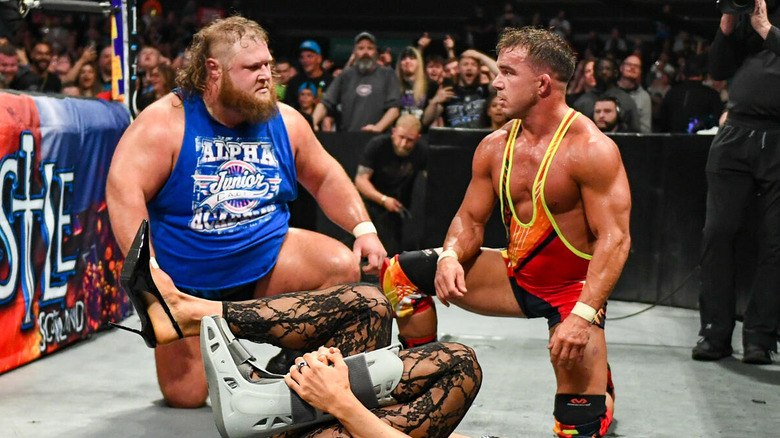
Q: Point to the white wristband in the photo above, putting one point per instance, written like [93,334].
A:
[384,198]
[447,253]
[363,228]
[584,311]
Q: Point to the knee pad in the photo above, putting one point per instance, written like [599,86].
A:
[581,416]
[407,281]
[250,407]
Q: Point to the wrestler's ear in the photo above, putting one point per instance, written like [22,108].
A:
[213,67]
[545,84]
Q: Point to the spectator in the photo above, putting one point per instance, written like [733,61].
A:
[434,68]
[508,18]
[385,177]
[87,81]
[306,102]
[88,55]
[606,115]
[495,113]
[37,77]
[416,89]
[162,77]
[70,89]
[283,71]
[606,85]
[631,82]
[582,82]
[104,64]
[451,68]
[690,106]
[561,26]
[463,103]
[616,46]
[386,57]
[9,63]
[312,77]
[367,92]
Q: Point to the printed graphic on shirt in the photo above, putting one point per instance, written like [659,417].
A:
[467,112]
[363,90]
[231,182]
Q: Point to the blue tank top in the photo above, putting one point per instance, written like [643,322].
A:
[222,215]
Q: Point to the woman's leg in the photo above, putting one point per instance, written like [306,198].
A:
[439,384]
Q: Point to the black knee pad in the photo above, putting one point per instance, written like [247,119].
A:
[420,269]
[580,415]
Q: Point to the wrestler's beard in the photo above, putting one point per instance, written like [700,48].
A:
[366,64]
[251,108]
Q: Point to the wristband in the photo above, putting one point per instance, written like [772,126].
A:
[384,198]
[447,253]
[363,228]
[584,311]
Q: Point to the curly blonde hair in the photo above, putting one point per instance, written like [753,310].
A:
[215,41]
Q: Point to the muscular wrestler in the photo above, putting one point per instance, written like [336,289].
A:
[565,201]
[213,166]
[437,385]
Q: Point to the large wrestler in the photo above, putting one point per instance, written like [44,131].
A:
[565,200]
[212,166]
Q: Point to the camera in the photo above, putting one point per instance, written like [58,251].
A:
[736,6]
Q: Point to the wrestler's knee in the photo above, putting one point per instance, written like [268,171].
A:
[342,266]
[181,375]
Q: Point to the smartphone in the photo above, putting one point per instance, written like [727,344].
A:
[447,82]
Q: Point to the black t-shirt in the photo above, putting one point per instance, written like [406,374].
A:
[393,175]
[29,81]
[317,85]
[467,108]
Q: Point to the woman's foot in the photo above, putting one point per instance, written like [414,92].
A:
[177,302]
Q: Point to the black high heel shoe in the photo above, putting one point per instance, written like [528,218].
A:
[136,279]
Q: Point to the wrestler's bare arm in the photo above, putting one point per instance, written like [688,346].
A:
[142,163]
[606,199]
[322,175]
[467,229]
[598,171]
[330,185]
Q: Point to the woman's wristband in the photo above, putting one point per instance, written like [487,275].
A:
[447,253]
[382,201]
[584,311]
[363,228]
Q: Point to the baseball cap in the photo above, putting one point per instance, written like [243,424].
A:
[310,45]
[365,36]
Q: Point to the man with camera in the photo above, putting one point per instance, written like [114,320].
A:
[743,165]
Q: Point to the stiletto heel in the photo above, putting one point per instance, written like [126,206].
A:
[136,278]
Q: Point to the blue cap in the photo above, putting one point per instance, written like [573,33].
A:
[310,45]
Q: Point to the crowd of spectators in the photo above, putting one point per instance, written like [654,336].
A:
[443,81]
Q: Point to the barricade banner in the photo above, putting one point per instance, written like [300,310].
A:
[59,263]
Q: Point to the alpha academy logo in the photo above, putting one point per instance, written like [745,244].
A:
[231,181]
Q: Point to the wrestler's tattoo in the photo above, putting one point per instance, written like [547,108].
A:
[352,317]
[439,384]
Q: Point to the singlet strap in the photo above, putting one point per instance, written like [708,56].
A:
[507,209]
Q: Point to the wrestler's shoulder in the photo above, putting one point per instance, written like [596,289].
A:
[164,111]
[496,140]
[585,134]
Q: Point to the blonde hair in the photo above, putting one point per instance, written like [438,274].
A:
[420,85]
[215,41]
[408,121]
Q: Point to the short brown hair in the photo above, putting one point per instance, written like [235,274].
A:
[214,41]
[546,49]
